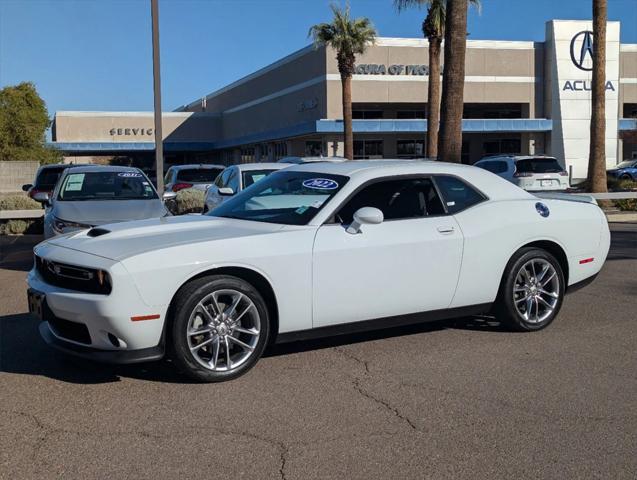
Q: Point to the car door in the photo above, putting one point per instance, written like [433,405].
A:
[409,263]
[213,198]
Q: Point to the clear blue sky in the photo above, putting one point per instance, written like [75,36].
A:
[96,54]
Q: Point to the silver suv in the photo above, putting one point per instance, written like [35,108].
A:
[533,172]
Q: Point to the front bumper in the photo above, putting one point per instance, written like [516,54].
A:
[103,317]
[105,356]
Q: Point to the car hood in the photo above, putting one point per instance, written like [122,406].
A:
[124,240]
[108,211]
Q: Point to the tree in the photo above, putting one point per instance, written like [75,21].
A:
[23,123]
[597,152]
[450,136]
[348,37]
[433,28]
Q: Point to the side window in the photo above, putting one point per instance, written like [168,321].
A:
[457,195]
[233,180]
[222,179]
[168,176]
[397,199]
[499,167]
[485,166]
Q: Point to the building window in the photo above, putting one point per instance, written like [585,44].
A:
[410,148]
[247,155]
[280,150]
[407,114]
[368,149]
[508,145]
[314,148]
[367,114]
[492,110]
[465,152]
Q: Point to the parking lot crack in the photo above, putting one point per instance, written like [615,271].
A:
[364,392]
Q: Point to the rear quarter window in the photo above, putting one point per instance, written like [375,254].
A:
[457,195]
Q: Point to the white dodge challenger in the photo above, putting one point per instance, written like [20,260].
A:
[311,250]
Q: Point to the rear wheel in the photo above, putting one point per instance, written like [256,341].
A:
[532,290]
[220,328]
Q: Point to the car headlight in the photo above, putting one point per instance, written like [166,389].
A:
[63,226]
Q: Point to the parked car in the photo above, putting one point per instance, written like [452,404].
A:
[87,196]
[300,160]
[200,177]
[235,179]
[314,249]
[532,173]
[626,170]
[45,179]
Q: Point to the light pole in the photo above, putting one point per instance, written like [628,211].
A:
[159,143]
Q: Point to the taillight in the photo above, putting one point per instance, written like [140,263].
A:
[181,186]
[522,174]
[563,174]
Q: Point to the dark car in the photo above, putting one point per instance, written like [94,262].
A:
[45,179]
[626,170]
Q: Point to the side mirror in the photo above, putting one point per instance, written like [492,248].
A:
[42,197]
[26,187]
[226,191]
[169,196]
[365,216]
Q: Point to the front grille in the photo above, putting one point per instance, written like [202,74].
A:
[73,277]
[78,332]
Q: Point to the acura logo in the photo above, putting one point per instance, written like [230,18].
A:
[581,48]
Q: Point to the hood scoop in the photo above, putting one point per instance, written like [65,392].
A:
[97,232]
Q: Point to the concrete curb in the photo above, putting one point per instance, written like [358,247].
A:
[20,214]
[627,217]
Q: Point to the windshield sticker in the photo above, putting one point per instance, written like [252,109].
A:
[301,210]
[451,204]
[75,182]
[320,184]
[317,204]
[129,175]
[256,178]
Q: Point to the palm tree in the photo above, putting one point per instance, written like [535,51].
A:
[349,37]
[450,136]
[597,154]
[433,28]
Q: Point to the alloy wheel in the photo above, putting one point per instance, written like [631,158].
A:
[536,290]
[223,330]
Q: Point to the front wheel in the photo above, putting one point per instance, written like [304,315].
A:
[220,328]
[532,290]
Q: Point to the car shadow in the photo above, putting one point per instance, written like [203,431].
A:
[16,251]
[23,352]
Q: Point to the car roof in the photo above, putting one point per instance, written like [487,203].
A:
[493,186]
[100,168]
[244,167]
[515,158]
[300,160]
[197,165]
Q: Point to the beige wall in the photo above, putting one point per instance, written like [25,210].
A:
[134,127]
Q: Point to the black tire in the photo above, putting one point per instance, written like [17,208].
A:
[186,300]
[505,307]
[626,176]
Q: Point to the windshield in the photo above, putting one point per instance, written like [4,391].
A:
[626,164]
[48,177]
[106,186]
[538,165]
[253,176]
[290,198]
[198,175]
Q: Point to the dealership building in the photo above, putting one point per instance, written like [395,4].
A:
[520,98]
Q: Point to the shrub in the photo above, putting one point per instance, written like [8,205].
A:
[18,202]
[19,227]
[627,204]
[189,201]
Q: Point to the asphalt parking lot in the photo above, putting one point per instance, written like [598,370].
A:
[456,399]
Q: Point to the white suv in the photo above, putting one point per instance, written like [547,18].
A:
[532,173]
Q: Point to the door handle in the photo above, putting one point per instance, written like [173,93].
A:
[446,230]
